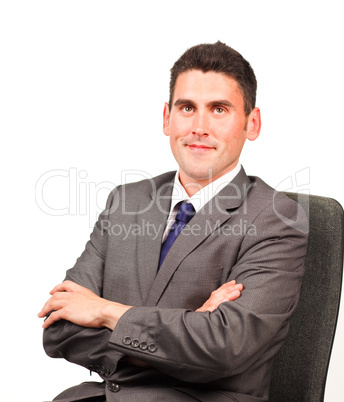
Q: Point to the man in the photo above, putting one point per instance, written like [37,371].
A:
[179,309]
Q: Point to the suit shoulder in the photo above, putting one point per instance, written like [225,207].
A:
[142,192]
[147,185]
[266,194]
[279,204]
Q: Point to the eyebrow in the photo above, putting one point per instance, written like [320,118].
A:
[220,102]
[180,102]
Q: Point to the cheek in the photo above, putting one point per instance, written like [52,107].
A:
[180,127]
[235,143]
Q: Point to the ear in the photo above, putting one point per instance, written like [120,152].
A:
[253,125]
[166,126]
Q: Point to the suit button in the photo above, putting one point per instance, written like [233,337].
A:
[135,343]
[113,387]
[127,340]
[96,368]
[101,370]
[107,373]
[152,347]
[143,345]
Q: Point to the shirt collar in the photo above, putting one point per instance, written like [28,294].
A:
[199,199]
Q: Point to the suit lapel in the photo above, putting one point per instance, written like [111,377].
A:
[153,222]
[214,214]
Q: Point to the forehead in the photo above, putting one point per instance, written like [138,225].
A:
[198,85]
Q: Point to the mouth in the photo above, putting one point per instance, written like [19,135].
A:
[200,147]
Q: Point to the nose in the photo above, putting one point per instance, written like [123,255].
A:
[200,124]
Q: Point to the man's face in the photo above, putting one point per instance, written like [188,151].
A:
[207,125]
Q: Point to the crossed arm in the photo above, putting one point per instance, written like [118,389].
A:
[79,305]
[269,264]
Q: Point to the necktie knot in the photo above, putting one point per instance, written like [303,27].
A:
[185,212]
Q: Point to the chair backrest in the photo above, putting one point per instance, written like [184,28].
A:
[300,367]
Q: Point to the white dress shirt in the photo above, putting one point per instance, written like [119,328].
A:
[200,198]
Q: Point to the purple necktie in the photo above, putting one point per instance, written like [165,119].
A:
[185,212]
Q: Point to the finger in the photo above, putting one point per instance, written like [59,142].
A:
[41,314]
[229,291]
[221,295]
[233,296]
[209,305]
[230,294]
[234,288]
[57,301]
[45,310]
[66,286]
[229,288]
[58,288]
[225,285]
[53,317]
[229,285]
[201,309]
[225,290]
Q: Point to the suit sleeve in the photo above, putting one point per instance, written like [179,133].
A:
[204,347]
[87,347]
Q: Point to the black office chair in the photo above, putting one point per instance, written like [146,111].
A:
[300,367]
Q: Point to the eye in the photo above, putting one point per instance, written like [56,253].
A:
[187,109]
[219,110]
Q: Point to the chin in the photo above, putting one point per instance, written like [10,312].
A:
[199,176]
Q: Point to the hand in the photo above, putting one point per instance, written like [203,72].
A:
[229,291]
[74,303]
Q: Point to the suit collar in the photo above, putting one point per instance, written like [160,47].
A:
[231,196]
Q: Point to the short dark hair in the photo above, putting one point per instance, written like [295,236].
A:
[220,58]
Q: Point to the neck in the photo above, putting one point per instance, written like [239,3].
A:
[193,185]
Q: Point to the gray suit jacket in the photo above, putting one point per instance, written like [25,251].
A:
[249,233]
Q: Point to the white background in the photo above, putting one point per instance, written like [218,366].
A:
[82,87]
